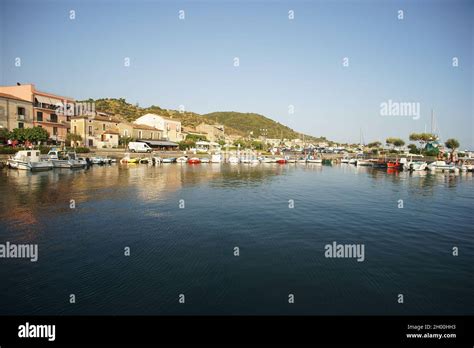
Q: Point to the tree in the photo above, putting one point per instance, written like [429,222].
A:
[73,138]
[375,144]
[4,135]
[422,138]
[398,142]
[452,144]
[33,135]
[413,149]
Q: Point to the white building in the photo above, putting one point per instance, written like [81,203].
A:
[171,128]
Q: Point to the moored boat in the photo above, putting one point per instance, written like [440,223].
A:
[29,160]
[182,159]
[233,160]
[441,165]
[194,160]
[169,160]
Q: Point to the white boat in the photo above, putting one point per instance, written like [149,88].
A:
[441,165]
[234,160]
[352,161]
[217,158]
[169,160]
[345,160]
[61,159]
[364,163]
[314,160]
[415,166]
[182,159]
[268,160]
[255,161]
[156,160]
[205,160]
[29,160]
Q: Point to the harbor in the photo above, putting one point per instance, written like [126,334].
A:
[182,223]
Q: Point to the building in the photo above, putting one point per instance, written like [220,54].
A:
[171,129]
[139,131]
[50,111]
[97,130]
[15,112]
[215,132]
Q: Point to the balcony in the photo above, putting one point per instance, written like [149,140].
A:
[45,106]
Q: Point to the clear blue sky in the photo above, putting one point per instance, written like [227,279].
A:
[282,62]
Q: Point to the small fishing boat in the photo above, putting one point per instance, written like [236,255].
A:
[352,161]
[182,159]
[234,160]
[441,165]
[145,160]
[394,164]
[156,160]
[61,159]
[364,163]
[268,160]
[169,160]
[29,160]
[205,160]
[281,161]
[194,160]
[314,160]
[345,160]
[128,160]
[217,158]
[255,161]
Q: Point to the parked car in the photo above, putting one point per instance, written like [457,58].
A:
[136,146]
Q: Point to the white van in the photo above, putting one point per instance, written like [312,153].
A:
[135,146]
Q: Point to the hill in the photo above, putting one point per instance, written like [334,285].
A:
[236,123]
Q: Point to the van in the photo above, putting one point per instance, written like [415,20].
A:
[139,147]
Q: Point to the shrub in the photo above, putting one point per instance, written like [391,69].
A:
[82,150]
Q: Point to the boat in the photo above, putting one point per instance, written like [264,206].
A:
[182,159]
[205,160]
[281,161]
[441,165]
[97,160]
[169,160]
[61,159]
[315,160]
[345,160]
[364,163]
[217,158]
[380,164]
[268,160]
[255,161]
[194,160]
[352,161]
[29,160]
[233,160]
[128,160]
[395,164]
[156,160]
[145,160]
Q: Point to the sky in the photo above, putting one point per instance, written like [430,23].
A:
[284,64]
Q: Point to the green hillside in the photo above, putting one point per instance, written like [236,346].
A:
[236,123]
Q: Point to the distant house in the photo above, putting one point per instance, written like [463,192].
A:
[98,129]
[170,128]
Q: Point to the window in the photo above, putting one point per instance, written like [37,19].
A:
[53,118]
[75,130]
[151,135]
[139,134]
[21,111]
[39,116]
[103,126]
[91,142]
[125,133]
[55,130]
[90,130]
[21,125]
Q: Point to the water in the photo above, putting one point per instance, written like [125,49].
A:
[190,251]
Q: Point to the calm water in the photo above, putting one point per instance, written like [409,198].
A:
[190,251]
